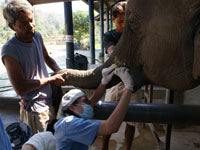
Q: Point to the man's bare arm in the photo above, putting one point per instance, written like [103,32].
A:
[18,81]
[110,49]
[49,60]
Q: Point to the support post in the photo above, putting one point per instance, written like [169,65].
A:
[107,19]
[111,22]
[101,3]
[92,36]
[169,126]
[69,35]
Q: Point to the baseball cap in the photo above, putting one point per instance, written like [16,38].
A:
[68,99]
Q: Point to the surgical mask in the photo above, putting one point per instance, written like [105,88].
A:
[88,112]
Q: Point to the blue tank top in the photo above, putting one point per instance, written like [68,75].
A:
[30,56]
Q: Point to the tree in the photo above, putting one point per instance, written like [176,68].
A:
[5,31]
[81,27]
[49,24]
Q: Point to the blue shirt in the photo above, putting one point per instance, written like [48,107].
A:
[73,133]
[4,139]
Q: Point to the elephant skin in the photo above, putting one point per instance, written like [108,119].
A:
[160,45]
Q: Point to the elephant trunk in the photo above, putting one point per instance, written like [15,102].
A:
[89,79]
[83,79]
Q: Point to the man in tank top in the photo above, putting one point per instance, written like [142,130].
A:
[24,57]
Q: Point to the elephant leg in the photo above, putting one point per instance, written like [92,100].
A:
[196,62]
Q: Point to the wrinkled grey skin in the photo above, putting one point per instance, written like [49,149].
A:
[160,44]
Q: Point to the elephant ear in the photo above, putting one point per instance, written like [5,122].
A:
[196,61]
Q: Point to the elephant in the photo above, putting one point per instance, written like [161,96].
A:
[160,45]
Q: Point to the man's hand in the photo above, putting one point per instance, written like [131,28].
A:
[110,49]
[57,80]
[107,74]
[124,75]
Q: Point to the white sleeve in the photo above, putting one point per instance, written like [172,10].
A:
[43,141]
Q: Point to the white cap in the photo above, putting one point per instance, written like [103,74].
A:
[68,99]
[42,141]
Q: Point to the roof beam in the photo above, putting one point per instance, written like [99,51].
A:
[36,2]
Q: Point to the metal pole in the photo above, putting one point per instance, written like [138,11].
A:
[153,113]
[69,35]
[91,21]
[169,126]
[107,19]
[111,22]
[101,3]
[158,113]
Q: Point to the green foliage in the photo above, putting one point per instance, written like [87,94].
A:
[5,32]
[52,24]
[81,28]
[49,24]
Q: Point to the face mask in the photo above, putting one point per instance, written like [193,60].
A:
[87,112]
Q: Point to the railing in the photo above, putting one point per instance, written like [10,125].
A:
[148,112]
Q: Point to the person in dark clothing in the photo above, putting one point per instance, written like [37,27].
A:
[110,40]
[112,37]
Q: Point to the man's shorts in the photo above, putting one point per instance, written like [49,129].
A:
[37,122]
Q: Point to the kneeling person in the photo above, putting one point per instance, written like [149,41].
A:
[75,129]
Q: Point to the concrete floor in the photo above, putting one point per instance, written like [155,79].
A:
[183,138]
[187,138]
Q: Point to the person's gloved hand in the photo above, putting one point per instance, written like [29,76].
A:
[107,74]
[124,75]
